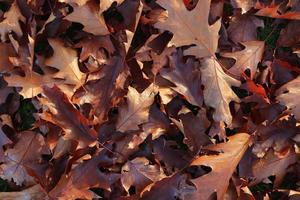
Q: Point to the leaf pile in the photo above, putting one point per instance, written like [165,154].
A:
[150,99]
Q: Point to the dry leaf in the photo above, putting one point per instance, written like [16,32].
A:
[248,58]
[288,94]
[88,15]
[186,77]
[222,165]
[140,173]
[217,91]
[195,25]
[67,117]
[136,111]
[66,61]
[27,150]
[11,21]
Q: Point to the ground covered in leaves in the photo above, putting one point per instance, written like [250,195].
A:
[150,99]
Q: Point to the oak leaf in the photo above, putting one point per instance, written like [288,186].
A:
[272,10]
[243,28]
[194,127]
[217,91]
[186,76]
[222,165]
[27,150]
[140,173]
[90,17]
[63,113]
[11,21]
[66,61]
[195,25]
[288,94]
[104,88]
[248,58]
[272,164]
[77,183]
[173,187]
[136,111]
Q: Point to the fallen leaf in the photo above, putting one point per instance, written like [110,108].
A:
[11,21]
[136,111]
[140,173]
[248,58]
[287,94]
[76,184]
[104,87]
[66,61]
[217,91]
[63,113]
[222,165]
[244,28]
[27,150]
[186,77]
[174,187]
[34,193]
[195,23]
[271,165]
[90,17]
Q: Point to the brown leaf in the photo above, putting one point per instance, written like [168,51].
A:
[11,21]
[34,193]
[66,61]
[136,111]
[7,51]
[247,58]
[217,91]
[272,164]
[194,127]
[174,187]
[290,35]
[243,28]
[104,88]
[27,150]
[88,15]
[91,45]
[140,173]
[288,94]
[222,165]
[273,11]
[186,77]
[77,183]
[67,117]
[3,141]
[195,23]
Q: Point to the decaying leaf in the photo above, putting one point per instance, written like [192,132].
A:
[88,15]
[137,109]
[186,77]
[287,95]
[247,58]
[66,61]
[217,91]
[11,21]
[222,165]
[149,99]
[67,117]
[195,23]
[140,173]
[29,149]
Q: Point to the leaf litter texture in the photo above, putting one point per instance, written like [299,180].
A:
[137,99]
